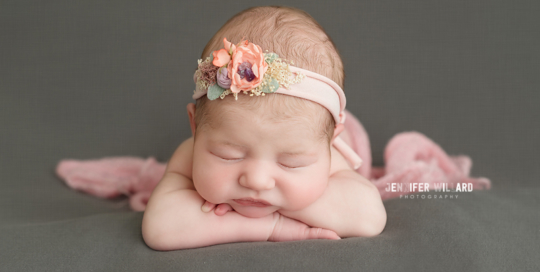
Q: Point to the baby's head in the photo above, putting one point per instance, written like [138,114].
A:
[274,147]
[294,35]
[289,32]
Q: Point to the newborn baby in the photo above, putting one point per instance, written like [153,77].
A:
[265,162]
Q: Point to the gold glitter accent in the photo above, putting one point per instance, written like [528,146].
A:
[225,93]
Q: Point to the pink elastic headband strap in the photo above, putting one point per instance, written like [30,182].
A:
[319,89]
[324,91]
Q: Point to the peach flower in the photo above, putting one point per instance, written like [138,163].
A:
[229,46]
[221,57]
[246,52]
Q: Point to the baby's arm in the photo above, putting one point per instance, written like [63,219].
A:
[173,218]
[351,206]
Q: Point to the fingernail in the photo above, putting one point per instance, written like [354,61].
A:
[206,207]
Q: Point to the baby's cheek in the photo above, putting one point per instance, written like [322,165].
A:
[304,193]
[211,183]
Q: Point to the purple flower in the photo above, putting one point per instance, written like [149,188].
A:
[223,79]
[244,65]
[244,70]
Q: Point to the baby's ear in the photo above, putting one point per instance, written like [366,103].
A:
[337,130]
[191,114]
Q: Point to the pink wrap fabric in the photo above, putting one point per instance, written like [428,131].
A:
[410,157]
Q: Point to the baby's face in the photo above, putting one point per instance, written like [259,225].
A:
[248,156]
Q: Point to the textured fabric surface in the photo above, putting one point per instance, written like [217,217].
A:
[482,231]
[86,80]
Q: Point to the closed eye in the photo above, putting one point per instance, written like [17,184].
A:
[226,159]
[291,167]
[233,159]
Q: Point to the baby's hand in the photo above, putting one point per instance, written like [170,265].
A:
[287,229]
[221,209]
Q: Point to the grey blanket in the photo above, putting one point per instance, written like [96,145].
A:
[86,80]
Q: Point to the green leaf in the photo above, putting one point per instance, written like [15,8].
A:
[270,57]
[214,91]
[271,87]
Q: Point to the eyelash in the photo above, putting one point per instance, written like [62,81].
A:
[229,159]
[226,159]
[290,167]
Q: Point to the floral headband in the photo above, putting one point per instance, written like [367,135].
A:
[245,68]
[242,68]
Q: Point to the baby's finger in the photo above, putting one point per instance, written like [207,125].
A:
[320,233]
[222,209]
[207,206]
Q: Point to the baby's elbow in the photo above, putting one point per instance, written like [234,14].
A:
[161,240]
[151,237]
[153,242]
[377,226]
[377,221]
[157,234]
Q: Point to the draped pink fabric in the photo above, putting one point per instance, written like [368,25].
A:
[410,157]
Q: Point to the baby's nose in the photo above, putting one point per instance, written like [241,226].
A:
[257,176]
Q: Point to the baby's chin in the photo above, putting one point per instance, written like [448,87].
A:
[254,212]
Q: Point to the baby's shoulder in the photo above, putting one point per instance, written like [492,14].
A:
[338,162]
[181,161]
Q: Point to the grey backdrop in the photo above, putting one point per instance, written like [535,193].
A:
[86,80]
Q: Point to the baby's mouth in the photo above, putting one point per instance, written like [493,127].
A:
[252,202]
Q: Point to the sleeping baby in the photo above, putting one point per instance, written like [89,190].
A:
[265,161]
